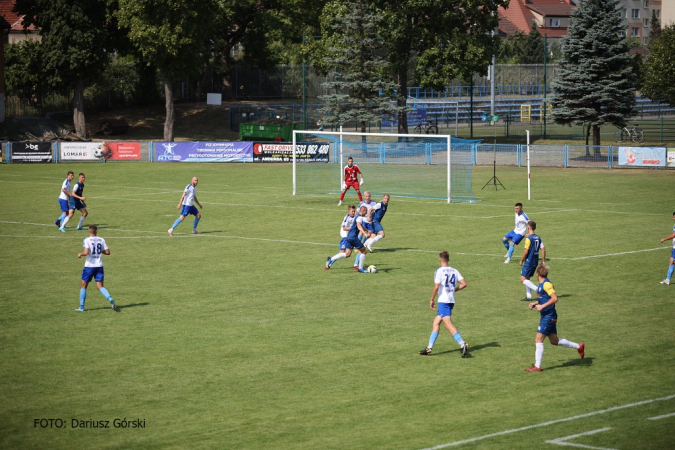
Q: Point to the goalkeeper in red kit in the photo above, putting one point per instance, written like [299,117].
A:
[351,179]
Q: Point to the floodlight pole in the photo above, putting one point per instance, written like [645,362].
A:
[449,180]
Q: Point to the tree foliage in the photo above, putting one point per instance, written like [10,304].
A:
[659,76]
[532,49]
[596,84]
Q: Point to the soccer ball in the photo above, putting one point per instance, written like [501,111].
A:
[372,269]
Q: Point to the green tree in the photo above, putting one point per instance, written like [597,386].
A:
[175,37]
[73,53]
[532,49]
[24,73]
[659,77]
[360,73]
[654,26]
[595,84]
[439,39]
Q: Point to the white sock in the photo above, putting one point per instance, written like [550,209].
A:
[338,256]
[530,284]
[368,242]
[376,238]
[65,221]
[538,353]
[362,260]
[79,224]
[568,344]
[528,293]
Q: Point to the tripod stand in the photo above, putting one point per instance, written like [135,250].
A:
[494,180]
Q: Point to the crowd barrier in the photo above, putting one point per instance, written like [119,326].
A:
[602,156]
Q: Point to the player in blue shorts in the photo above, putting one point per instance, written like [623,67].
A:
[64,196]
[545,304]
[516,235]
[377,213]
[76,202]
[368,203]
[352,241]
[447,281]
[345,248]
[94,248]
[186,203]
[530,259]
[671,261]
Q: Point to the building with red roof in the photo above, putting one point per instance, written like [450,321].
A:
[16,31]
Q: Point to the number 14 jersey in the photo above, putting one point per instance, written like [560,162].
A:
[447,278]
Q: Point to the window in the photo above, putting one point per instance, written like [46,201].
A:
[554,23]
[658,13]
[646,3]
[635,32]
[635,13]
[645,23]
[622,12]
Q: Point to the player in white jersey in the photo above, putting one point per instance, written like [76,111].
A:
[64,196]
[671,261]
[76,202]
[514,237]
[94,248]
[186,202]
[368,203]
[447,281]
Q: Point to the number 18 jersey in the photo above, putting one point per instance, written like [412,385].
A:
[96,246]
[447,278]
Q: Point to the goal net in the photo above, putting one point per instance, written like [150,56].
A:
[401,165]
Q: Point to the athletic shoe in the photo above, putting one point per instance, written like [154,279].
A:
[363,270]
[533,369]
[62,230]
[507,260]
[79,228]
[525,299]
[666,282]
[465,349]
[506,256]
[368,246]
[329,262]
[426,351]
[57,222]
[581,349]
[79,309]
[340,203]
[194,231]
[355,268]
[170,231]
[114,307]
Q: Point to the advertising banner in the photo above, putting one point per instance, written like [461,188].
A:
[670,157]
[415,117]
[642,156]
[283,152]
[204,151]
[32,152]
[93,151]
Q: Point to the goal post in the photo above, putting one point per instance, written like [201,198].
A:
[402,165]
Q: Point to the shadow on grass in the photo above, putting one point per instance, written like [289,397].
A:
[472,348]
[390,249]
[119,307]
[586,362]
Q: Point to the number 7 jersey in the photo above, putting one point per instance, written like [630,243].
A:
[447,278]
[96,246]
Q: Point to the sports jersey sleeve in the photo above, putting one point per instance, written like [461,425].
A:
[527,244]
[105,245]
[548,287]
[437,277]
[459,276]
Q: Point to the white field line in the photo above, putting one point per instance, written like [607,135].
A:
[160,234]
[665,416]
[552,422]
[562,440]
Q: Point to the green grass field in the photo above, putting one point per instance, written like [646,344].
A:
[237,338]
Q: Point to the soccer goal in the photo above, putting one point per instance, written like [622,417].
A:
[401,165]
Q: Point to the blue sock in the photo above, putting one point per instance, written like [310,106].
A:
[196,222]
[61,217]
[83,297]
[356,260]
[671,268]
[510,250]
[432,339]
[106,294]
[458,338]
[177,222]
[506,243]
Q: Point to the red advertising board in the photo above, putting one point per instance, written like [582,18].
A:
[125,150]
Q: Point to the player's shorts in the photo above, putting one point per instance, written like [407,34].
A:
[367,226]
[75,203]
[92,272]
[445,309]
[354,184]
[528,271]
[354,243]
[514,237]
[377,227]
[187,210]
[547,325]
[64,205]
[344,244]
[672,254]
